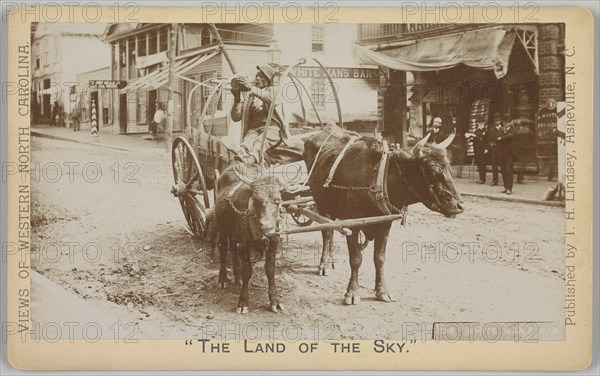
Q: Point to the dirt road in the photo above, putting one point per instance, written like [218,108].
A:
[107,230]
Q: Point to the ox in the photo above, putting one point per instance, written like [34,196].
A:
[417,175]
[247,214]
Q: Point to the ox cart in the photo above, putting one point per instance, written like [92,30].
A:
[199,157]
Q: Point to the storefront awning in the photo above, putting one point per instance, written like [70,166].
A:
[484,49]
[160,77]
[146,61]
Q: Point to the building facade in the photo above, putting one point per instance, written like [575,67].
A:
[355,84]
[470,72]
[56,60]
[139,65]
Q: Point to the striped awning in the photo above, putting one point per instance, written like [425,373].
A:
[160,76]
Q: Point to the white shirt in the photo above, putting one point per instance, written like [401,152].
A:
[158,116]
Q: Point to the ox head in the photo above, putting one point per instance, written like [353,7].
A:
[266,203]
[425,171]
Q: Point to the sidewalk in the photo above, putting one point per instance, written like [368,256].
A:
[530,191]
[133,142]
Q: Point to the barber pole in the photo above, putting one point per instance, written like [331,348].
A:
[94,120]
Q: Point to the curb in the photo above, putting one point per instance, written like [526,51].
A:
[515,199]
[61,138]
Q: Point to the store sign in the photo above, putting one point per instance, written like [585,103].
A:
[337,72]
[546,132]
[107,84]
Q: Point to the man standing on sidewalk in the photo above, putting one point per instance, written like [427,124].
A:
[493,135]
[75,117]
[156,123]
[481,150]
[504,148]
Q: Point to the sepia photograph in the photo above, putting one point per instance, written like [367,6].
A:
[300,181]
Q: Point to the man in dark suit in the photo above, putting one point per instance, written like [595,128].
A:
[437,133]
[493,133]
[481,149]
[504,139]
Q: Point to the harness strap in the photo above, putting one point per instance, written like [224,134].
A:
[378,191]
[337,161]
[232,190]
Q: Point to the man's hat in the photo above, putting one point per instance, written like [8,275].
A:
[497,117]
[269,70]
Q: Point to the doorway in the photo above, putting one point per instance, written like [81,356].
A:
[123,113]
[151,105]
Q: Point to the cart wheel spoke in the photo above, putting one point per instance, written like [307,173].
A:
[189,183]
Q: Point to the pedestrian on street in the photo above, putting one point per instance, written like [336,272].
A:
[156,123]
[458,147]
[75,118]
[492,137]
[504,140]
[481,149]
[54,117]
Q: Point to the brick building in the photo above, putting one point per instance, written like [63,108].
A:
[468,71]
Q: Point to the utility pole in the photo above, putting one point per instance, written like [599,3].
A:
[172,52]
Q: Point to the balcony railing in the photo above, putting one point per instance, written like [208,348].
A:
[373,32]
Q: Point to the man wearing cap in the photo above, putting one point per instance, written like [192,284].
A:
[251,103]
[503,139]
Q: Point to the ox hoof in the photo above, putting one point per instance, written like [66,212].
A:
[223,284]
[351,299]
[242,310]
[384,297]
[277,308]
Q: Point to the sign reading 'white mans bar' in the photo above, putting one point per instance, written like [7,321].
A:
[337,72]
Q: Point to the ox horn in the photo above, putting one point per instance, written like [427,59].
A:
[421,142]
[444,144]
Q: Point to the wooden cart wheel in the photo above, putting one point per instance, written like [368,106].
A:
[189,184]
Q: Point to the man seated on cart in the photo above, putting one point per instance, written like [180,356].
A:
[251,105]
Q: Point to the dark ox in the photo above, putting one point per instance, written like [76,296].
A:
[417,175]
[247,217]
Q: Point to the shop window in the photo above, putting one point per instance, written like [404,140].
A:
[85,116]
[131,59]
[46,52]
[106,104]
[317,92]
[37,63]
[142,45]
[163,39]
[205,37]
[317,38]
[141,107]
[153,43]
[122,54]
